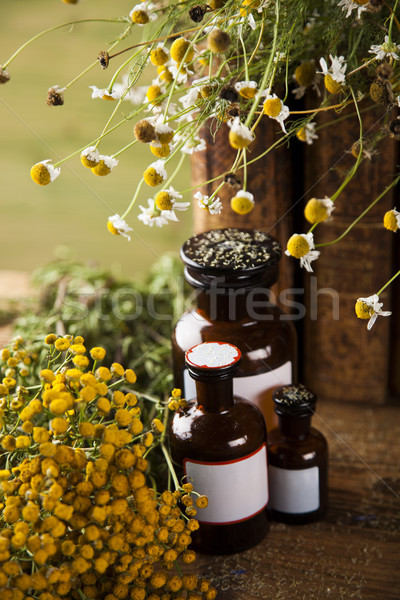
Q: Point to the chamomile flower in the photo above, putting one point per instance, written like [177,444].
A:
[194,144]
[153,216]
[105,165]
[180,73]
[350,5]
[44,172]
[182,50]
[370,308]
[305,75]
[4,75]
[275,109]
[242,202]
[317,211]
[155,173]
[335,75]
[90,157]
[104,93]
[301,245]
[307,133]
[211,205]
[166,200]
[391,220]
[118,226]
[164,132]
[240,136]
[387,49]
[159,55]
[246,89]
[141,13]
[191,97]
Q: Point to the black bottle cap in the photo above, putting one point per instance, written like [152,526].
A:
[294,400]
[231,258]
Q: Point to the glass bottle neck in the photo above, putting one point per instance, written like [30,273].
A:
[234,305]
[295,427]
[215,396]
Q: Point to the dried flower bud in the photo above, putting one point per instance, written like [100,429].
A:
[144,131]
[381,92]
[375,5]
[55,96]
[104,59]
[196,13]
[229,93]
[232,180]
[394,128]
[384,71]
[218,41]
[4,75]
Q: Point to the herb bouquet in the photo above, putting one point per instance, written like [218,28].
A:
[83,515]
[239,62]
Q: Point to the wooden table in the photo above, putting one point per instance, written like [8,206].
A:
[355,551]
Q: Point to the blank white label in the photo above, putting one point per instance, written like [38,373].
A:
[293,491]
[236,489]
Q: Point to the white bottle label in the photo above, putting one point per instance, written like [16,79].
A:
[236,489]
[252,387]
[294,491]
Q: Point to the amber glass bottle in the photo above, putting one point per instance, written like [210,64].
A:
[219,444]
[298,459]
[232,271]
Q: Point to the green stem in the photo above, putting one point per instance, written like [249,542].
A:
[50,29]
[170,465]
[246,67]
[350,227]
[124,148]
[133,199]
[268,69]
[244,170]
[354,168]
[388,283]
[391,21]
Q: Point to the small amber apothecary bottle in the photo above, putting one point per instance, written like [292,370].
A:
[232,270]
[218,443]
[298,459]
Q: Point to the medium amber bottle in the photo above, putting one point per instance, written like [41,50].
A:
[298,459]
[218,443]
[232,271]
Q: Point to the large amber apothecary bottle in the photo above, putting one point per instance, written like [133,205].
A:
[218,443]
[231,271]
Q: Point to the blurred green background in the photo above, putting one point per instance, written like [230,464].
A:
[37,222]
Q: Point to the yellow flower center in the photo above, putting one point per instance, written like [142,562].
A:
[331,85]
[218,41]
[315,211]
[181,50]
[304,74]
[164,74]
[248,92]
[298,246]
[301,134]
[165,137]
[153,93]
[87,162]
[107,97]
[40,174]
[112,229]
[101,169]
[361,2]
[237,141]
[363,310]
[241,205]
[390,221]
[164,201]
[158,57]
[160,151]
[272,107]
[140,17]
[152,177]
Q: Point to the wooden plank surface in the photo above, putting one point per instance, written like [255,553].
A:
[355,551]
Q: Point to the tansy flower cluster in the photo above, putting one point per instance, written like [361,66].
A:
[80,518]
